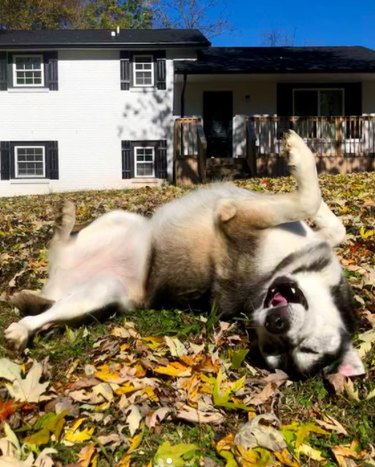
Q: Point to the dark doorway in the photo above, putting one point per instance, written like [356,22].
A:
[218,122]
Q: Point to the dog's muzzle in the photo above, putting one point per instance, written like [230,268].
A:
[282,292]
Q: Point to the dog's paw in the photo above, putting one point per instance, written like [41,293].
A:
[297,151]
[17,335]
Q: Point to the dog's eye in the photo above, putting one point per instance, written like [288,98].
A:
[308,350]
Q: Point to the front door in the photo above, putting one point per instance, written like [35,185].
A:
[217,122]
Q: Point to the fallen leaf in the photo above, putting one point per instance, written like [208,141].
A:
[173,455]
[174,369]
[27,389]
[7,408]
[259,432]
[133,419]
[85,455]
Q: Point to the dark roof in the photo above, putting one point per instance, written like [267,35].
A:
[226,60]
[91,38]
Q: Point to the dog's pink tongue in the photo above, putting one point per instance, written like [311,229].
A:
[278,299]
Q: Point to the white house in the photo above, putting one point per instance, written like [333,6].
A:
[96,109]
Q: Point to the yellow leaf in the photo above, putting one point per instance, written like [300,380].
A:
[125,389]
[153,342]
[73,435]
[310,452]
[174,369]
[150,393]
[285,458]
[174,455]
[225,443]
[125,461]
[135,442]
[366,233]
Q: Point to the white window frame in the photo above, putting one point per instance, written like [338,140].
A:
[318,90]
[144,162]
[152,71]
[17,175]
[15,84]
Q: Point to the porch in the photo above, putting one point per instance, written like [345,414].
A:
[342,144]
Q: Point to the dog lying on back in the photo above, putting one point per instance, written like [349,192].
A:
[252,254]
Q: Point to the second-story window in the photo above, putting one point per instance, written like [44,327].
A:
[143,69]
[28,70]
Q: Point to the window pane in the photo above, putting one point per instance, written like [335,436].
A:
[331,102]
[30,162]
[28,70]
[305,103]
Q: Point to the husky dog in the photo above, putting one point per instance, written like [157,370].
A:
[250,253]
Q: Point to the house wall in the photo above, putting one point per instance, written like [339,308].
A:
[89,116]
[248,97]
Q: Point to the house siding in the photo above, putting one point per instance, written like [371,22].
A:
[89,116]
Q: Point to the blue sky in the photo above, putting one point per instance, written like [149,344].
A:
[311,22]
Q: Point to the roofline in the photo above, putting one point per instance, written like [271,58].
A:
[106,45]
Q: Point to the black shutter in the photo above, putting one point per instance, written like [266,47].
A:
[3,71]
[127,158]
[125,71]
[160,70]
[51,71]
[52,160]
[5,159]
[161,159]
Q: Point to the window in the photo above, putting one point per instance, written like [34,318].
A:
[28,70]
[142,70]
[147,158]
[143,66]
[30,161]
[318,102]
[144,161]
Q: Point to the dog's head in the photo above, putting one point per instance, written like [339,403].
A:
[305,323]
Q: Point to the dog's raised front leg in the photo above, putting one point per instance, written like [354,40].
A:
[90,297]
[272,210]
[329,225]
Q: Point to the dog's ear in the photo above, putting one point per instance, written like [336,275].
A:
[351,364]
[226,210]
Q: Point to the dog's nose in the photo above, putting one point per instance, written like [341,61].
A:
[277,320]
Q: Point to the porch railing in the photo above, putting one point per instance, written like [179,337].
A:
[190,148]
[326,136]
[341,144]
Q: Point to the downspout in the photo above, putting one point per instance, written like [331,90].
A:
[183,96]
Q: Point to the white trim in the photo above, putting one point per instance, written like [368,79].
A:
[28,90]
[22,176]
[15,84]
[297,89]
[152,70]
[145,162]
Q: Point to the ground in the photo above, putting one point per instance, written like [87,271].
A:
[170,388]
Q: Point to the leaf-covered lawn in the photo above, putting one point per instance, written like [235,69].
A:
[163,388]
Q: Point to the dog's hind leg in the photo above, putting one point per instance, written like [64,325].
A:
[266,211]
[65,222]
[329,225]
[86,299]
